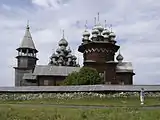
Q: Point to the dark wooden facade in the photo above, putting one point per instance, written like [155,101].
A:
[46,80]
[50,80]
[124,78]
[100,55]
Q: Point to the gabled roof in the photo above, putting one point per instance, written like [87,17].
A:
[49,70]
[29,76]
[124,67]
[27,41]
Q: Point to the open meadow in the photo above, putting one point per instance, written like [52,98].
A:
[79,106]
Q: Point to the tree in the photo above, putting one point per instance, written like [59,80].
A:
[86,76]
[71,79]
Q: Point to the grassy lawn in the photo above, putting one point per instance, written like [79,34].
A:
[133,101]
[12,112]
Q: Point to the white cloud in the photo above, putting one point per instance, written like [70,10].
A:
[52,4]
[136,24]
[41,2]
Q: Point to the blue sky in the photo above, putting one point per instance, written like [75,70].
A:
[17,3]
[136,24]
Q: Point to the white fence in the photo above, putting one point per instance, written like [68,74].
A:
[81,88]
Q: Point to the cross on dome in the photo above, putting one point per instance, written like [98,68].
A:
[95,22]
[105,23]
[86,25]
[98,17]
[27,24]
[110,27]
[63,33]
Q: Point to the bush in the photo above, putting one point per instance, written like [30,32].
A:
[86,76]
[71,79]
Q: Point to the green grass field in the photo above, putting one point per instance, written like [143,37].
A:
[132,101]
[13,112]
[74,106]
[18,110]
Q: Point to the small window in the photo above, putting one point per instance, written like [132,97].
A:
[46,82]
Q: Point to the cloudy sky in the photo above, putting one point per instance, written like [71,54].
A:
[135,22]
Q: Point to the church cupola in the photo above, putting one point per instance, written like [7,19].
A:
[69,50]
[27,51]
[63,56]
[112,36]
[119,57]
[100,51]
[58,50]
[98,26]
[95,31]
[86,35]
[63,42]
[106,32]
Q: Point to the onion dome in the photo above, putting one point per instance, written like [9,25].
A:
[95,31]
[53,55]
[112,34]
[86,33]
[69,50]
[57,55]
[106,36]
[74,57]
[63,42]
[69,56]
[60,61]
[61,54]
[62,48]
[119,57]
[106,33]
[58,50]
[99,27]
